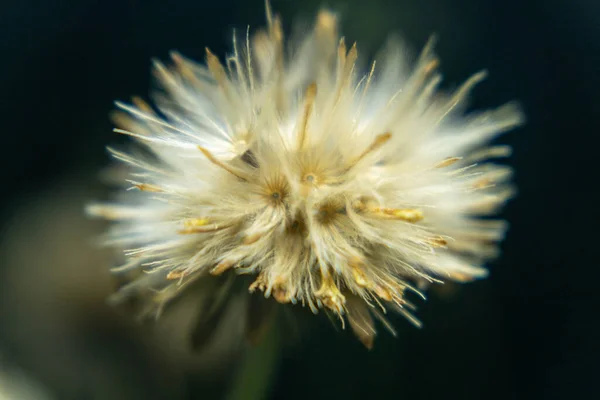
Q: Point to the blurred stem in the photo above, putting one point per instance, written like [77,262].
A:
[253,378]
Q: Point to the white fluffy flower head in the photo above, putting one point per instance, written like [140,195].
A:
[338,190]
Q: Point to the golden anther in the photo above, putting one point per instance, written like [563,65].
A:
[173,275]
[431,66]
[202,229]
[146,187]
[326,21]
[162,73]
[483,183]
[259,283]
[185,69]
[379,141]
[330,294]
[383,293]
[437,241]
[342,52]
[221,267]
[351,58]
[195,222]
[277,31]
[356,267]
[404,214]
[309,100]
[461,92]
[142,105]
[460,277]
[251,239]
[280,291]
[359,277]
[218,163]
[216,69]
[281,295]
[448,162]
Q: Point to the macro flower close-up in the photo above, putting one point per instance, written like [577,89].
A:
[337,189]
[275,199]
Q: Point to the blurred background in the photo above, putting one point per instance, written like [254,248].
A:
[529,331]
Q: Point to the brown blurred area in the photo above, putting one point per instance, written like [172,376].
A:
[526,332]
[57,323]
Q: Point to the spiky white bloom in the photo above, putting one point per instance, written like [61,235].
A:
[335,188]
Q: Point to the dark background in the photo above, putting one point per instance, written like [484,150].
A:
[529,331]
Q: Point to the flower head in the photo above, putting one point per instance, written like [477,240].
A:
[338,190]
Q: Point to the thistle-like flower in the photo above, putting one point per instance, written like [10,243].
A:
[338,190]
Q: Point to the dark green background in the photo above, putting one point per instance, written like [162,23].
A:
[529,331]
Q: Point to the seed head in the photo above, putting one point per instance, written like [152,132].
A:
[336,190]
